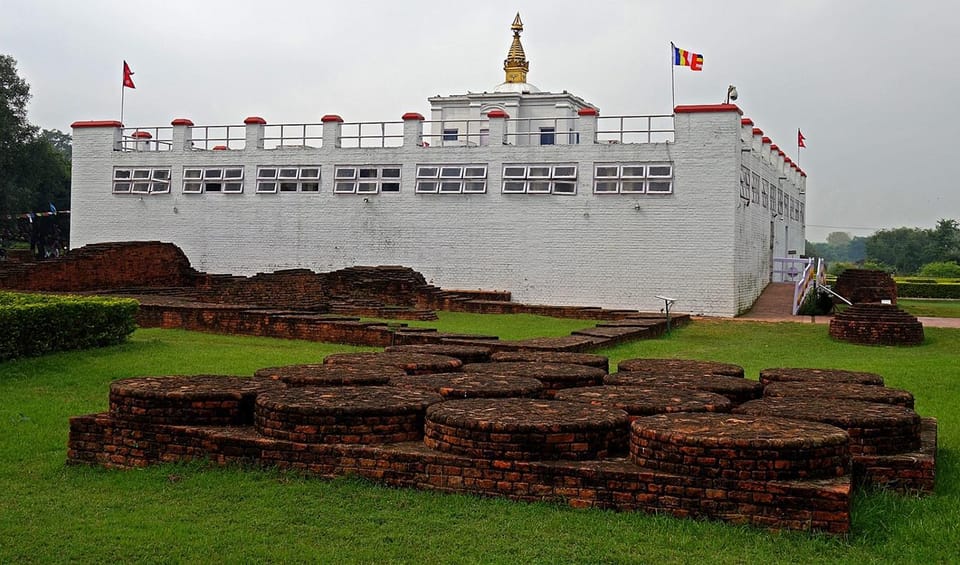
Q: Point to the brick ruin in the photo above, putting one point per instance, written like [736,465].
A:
[662,436]
[874,318]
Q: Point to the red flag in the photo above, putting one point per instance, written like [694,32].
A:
[127,76]
[800,139]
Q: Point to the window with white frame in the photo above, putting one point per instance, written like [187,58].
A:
[272,179]
[633,178]
[755,188]
[539,178]
[141,180]
[780,201]
[366,179]
[228,180]
[451,179]
[764,193]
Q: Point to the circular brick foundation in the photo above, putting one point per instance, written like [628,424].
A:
[199,400]
[876,324]
[525,429]
[588,359]
[331,375]
[680,367]
[781,374]
[739,447]
[411,363]
[737,390]
[355,415]
[851,391]
[874,429]
[646,401]
[554,376]
[472,385]
[465,353]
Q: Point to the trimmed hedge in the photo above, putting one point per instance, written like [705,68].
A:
[928,290]
[32,325]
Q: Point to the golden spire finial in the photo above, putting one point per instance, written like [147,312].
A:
[516,65]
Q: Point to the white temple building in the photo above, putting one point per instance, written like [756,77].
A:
[510,189]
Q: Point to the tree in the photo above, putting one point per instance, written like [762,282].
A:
[62,142]
[15,130]
[839,239]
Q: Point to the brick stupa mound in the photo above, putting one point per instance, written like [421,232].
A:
[525,429]
[331,375]
[736,447]
[199,400]
[876,324]
[465,353]
[680,367]
[588,359]
[737,390]
[851,391]
[874,429]
[351,415]
[554,376]
[796,374]
[866,286]
[472,385]
[412,363]
[646,401]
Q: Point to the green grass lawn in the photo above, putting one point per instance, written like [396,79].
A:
[934,308]
[50,512]
[505,326]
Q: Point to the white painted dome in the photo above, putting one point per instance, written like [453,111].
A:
[516,87]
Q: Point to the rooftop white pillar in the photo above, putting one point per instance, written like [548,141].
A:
[332,124]
[587,125]
[182,135]
[254,132]
[412,129]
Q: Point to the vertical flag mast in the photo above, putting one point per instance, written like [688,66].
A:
[683,58]
[673,63]
[127,83]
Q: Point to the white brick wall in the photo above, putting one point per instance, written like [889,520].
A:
[616,251]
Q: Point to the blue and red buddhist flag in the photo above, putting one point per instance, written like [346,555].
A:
[684,58]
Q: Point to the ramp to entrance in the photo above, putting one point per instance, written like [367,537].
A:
[775,302]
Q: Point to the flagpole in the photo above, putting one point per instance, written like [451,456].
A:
[673,96]
[123,89]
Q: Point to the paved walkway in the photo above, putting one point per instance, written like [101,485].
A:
[774,306]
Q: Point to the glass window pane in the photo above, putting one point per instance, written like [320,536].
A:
[564,187]
[605,186]
[539,172]
[660,171]
[141,187]
[346,173]
[428,172]
[190,187]
[514,186]
[475,186]
[606,171]
[660,186]
[564,172]
[212,186]
[121,187]
[191,173]
[451,172]
[310,187]
[161,174]
[288,186]
[289,173]
[632,186]
[390,172]
[270,173]
[160,187]
[121,173]
[233,174]
[426,186]
[310,173]
[450,186]
[368,173]
[634,171]
[233,187]
[345,187]
[475,172]
[270,187]
[367,188]
[213,173]
[514,172]
[141,174]
[538,187]
[390,187]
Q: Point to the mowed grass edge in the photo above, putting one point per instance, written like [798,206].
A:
[50,512]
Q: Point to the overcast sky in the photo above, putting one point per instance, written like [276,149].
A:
[868,82]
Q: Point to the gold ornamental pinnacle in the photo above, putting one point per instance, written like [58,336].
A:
[516,66]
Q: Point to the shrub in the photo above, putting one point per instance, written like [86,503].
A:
[928,290]
[32,325]
[941,269]
[816,303]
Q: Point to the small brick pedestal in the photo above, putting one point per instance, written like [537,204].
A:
[200,400]
[737,390]
[331,375]
[525,429]
[876,324]
[680,367]
[472,385]
[351,415]
[645,401]
[465,353]
[780,375]
[588,359]
[849,391]
[554,376]
[412,363]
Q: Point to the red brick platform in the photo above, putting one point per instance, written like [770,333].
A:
[588,359]
[797,374]
[554,376]
[412,363]
[640,401]
[851,391]
[473,385]
[678,367]
[331,375]
[465,353]
[737,390]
